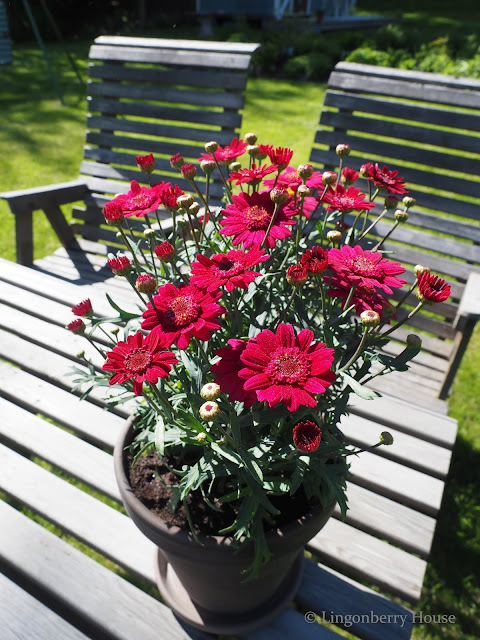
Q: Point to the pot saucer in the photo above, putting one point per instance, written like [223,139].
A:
[177,598]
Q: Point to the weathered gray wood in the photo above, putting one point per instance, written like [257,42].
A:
[24,238]
[64,451]
[193,45]
[333,594]
[171,57]
[402,415]
[23,616]
[103,603]
[470,303]
[388,520]
[408,450]
[25,200]
[364,557]
[226,100]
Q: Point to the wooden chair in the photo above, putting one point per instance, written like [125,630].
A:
[426,126]
[146,95]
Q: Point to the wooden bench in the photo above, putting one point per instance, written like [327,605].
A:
[145,95]
[426,126]
[47,437]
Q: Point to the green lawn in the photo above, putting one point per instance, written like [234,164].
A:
[41,143]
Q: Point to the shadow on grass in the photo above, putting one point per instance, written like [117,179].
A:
[452,585]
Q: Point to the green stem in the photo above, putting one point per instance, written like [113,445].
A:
[364,233]
[379,244]
[357,353]
[290,300]
[270,225]
[409,317]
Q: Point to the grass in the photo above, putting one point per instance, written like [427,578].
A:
[42,143]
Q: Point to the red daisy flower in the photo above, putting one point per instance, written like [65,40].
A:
[385,179]
[431,288]
[346,200]
[280,157]
[283,368]
[315,260]
[290,179]
[226,373]
[293,208]
[140,359]
[183,312]
[227,154]
[140,200]
[297,275]
[306,436]
[364,298]
[365,268]
[230,269]
[252,176]
[83,308]
[176,161]
[248,219]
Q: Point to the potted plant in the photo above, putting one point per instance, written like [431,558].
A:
[256,321]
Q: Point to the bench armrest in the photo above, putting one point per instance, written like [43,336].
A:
[469,308]
[28,200]
[467,315]
[24,202]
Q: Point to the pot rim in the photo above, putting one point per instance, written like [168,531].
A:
[184,535]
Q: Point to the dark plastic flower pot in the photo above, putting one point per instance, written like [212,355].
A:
[204,584]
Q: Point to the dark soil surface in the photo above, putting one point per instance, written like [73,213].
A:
[155,495]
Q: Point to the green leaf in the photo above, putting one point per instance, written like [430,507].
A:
[160,437]
[125,315]
[356,387]
[227,454]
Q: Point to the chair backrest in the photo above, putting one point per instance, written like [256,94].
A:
[427,126]
[150,95]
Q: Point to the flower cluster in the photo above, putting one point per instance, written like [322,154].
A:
[257,320]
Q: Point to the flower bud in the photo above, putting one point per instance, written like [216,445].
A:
[252,150]
[194,208]
[146,163]
[211,147]
[401,216]
[188,171]
[365,169]
[342,150]
[409,202]
[251,138]
[305,171]
[113,213]
[185,201]
[81,355]
[235,166]
[149,233]
[391,202]
[297,275]
[145,283]
[334,236]
[329,177]
[164,252]
[83,308]
[115,331]
[176,161]
[386,438]
[279,195]
[201,437]
[304,191]
[208,166]
[370,318]
[419,268]
[76,326]
[209,411]
[306,436]
[119,235]
[210,391]
[120,266]
[414,341]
